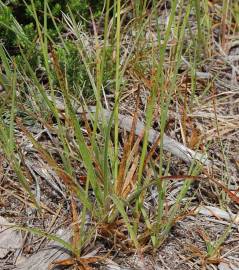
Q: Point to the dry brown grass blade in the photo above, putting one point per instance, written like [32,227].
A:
[130,178]
[76,229]
[120,179]
[231,195]
[152,151]
[131,175]
[61,263]
[204,258]
[127,148]
[195,252]
[60,75]
[194,139]
[112,230]
[77,264]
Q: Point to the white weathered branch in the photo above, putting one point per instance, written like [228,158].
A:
[169,144]
[125,122]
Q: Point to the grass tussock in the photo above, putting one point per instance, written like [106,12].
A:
[169,65]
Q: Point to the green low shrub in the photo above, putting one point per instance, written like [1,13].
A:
[19,11]
[18,30]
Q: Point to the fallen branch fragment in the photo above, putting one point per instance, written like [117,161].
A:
[43,258]
[228,266]
[10,239]
[169,144]
[125,122]
[218,213]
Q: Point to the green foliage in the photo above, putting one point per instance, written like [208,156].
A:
[18,28]
[7,36]
[74,69]
[235,12]
[21,11]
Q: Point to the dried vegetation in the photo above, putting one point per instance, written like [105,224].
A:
[180,79]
